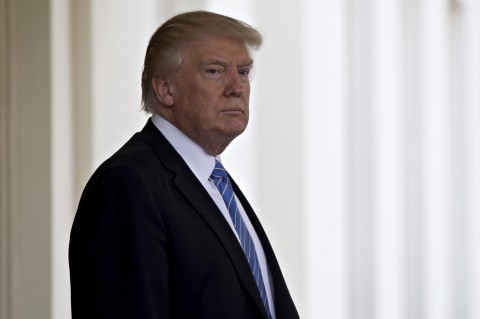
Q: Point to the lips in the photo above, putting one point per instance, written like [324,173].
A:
[233,111]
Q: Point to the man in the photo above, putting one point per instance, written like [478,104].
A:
[160,232]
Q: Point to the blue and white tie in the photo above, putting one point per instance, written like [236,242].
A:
[221,180]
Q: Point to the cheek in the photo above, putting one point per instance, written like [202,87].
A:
[246,95]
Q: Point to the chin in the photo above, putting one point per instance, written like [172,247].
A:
[235,130]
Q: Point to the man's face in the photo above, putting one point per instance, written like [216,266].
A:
[210,92]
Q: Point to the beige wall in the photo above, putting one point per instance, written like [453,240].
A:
[26,160]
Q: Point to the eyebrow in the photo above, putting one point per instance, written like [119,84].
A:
[215,61]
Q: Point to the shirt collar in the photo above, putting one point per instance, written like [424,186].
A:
[200,162]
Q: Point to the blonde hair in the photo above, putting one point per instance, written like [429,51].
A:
[164,51]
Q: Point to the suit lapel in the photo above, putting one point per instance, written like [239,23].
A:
[205,206]
[194,192]
[284,306]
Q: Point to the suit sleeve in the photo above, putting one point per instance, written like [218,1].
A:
[118,250]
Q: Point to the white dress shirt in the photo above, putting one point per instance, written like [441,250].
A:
[202,164]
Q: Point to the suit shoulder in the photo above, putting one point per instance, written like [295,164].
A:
[134,160]
[135,155]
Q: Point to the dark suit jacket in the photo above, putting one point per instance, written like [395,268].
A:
[149,242]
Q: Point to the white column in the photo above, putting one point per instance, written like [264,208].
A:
[278,85]
[460,155]
[389,159]
[61,157]
[413,171]
[324,158]
[360,158]
[436,164]
[120,34]
[471,33]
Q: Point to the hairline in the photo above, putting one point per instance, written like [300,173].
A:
[192,43]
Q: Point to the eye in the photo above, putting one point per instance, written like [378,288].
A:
[213,71]
[244,72]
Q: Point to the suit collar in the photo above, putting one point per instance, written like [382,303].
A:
[194,192]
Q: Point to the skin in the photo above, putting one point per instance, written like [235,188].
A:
[208,96]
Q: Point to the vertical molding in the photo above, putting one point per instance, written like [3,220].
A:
[471,33]
[116,70]
[436,162]
[278,86]
[278,83]
[389,149]
[459,158]
[414,203]
[30,179]
[81,71]
[360,158]
[324,159]
[61,155]
[7,158]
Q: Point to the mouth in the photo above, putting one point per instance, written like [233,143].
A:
[233,111]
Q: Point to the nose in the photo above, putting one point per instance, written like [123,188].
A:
[235,85]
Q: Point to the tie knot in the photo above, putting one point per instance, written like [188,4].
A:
[219,171]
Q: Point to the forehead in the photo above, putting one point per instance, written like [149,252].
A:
[219,48]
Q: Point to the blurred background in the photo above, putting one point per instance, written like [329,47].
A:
[362,157]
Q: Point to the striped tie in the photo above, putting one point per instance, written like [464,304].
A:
[220,178]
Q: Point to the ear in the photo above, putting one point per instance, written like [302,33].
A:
[161,85]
